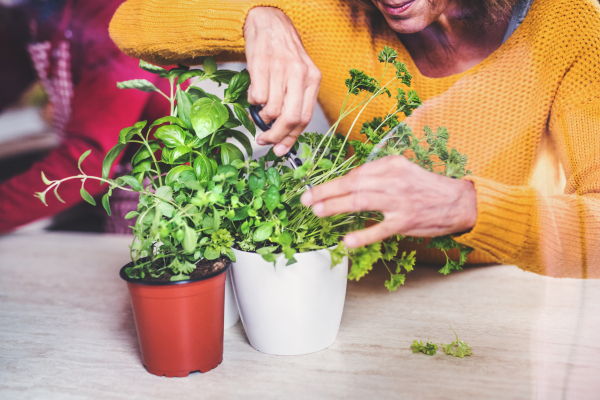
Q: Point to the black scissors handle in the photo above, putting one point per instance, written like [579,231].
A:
[254,109]
[295,161]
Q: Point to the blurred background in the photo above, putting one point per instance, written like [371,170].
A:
[58,98]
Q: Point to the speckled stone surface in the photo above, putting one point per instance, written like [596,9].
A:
[67,332]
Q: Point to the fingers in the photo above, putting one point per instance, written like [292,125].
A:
[284,78]
[349,184]
[354,202]
[386,165]
[258,92]
[288,123]
[273,104]
[373,234]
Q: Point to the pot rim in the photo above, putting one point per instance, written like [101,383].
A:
[304,252]
[124,276]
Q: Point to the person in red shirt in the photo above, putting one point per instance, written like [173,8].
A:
[65,44]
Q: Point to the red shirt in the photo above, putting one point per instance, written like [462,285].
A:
[99,112]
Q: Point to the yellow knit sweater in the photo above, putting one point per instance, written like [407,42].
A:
[528,116]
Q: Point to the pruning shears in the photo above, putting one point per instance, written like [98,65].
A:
[290,155]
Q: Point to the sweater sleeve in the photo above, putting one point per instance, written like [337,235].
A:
[552,235]
[182,31]
[100,111]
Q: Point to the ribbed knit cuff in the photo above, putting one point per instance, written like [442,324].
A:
[504,218]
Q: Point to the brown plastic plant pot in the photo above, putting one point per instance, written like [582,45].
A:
[179,324]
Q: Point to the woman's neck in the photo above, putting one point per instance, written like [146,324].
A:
[450,46]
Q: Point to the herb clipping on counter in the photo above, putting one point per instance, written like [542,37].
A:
[418,347]
[458,348]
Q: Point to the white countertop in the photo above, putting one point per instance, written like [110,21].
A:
[67,332]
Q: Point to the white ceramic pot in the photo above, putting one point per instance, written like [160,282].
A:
[231,311]
[290,310]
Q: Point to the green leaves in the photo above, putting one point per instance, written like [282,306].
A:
[203,168]
[387,55]
[338,253]
[210,66]
[242,115]
[220,244]
[207,115]
[418,347]
[194,211]
[359,81]
[190,74]
[181,173]
[164,192]
[305,151]
[363,259]
[395,281]
[273,177]
[143,153]
[458,348]
[131,214]
[172,120]
[87,197]
[152,68]
[184,106]
[127,133]
[242,138]
[171,135]
[272,198]
[110,158]
[105,203]
[325,163]
[211,254]
[257,180]
[262,233]
[139,84]
[238,84]
[83,157]
[46,180]
[131,181]
[229,153]
[445,243]
[190,238]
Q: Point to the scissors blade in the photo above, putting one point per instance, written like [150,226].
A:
[295,166]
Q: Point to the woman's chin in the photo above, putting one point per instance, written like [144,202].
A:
[406,26]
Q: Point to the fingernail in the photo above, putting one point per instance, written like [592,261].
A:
[260,141]
[318,209]
[350,241]
[306,198]
[280,149]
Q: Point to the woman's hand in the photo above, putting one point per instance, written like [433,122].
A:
[414,201]
[284,78]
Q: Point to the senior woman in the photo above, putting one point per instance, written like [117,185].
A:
[524,105]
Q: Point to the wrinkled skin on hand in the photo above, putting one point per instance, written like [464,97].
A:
[284,77]
[414,201]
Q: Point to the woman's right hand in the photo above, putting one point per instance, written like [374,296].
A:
[284,78]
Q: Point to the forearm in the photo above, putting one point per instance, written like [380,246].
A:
[183,31]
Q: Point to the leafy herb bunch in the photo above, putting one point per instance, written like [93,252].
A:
[269,219]
[201,195]
[180,171]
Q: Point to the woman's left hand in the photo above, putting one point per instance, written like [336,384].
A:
[414,201]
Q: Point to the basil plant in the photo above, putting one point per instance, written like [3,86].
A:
[179,171]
